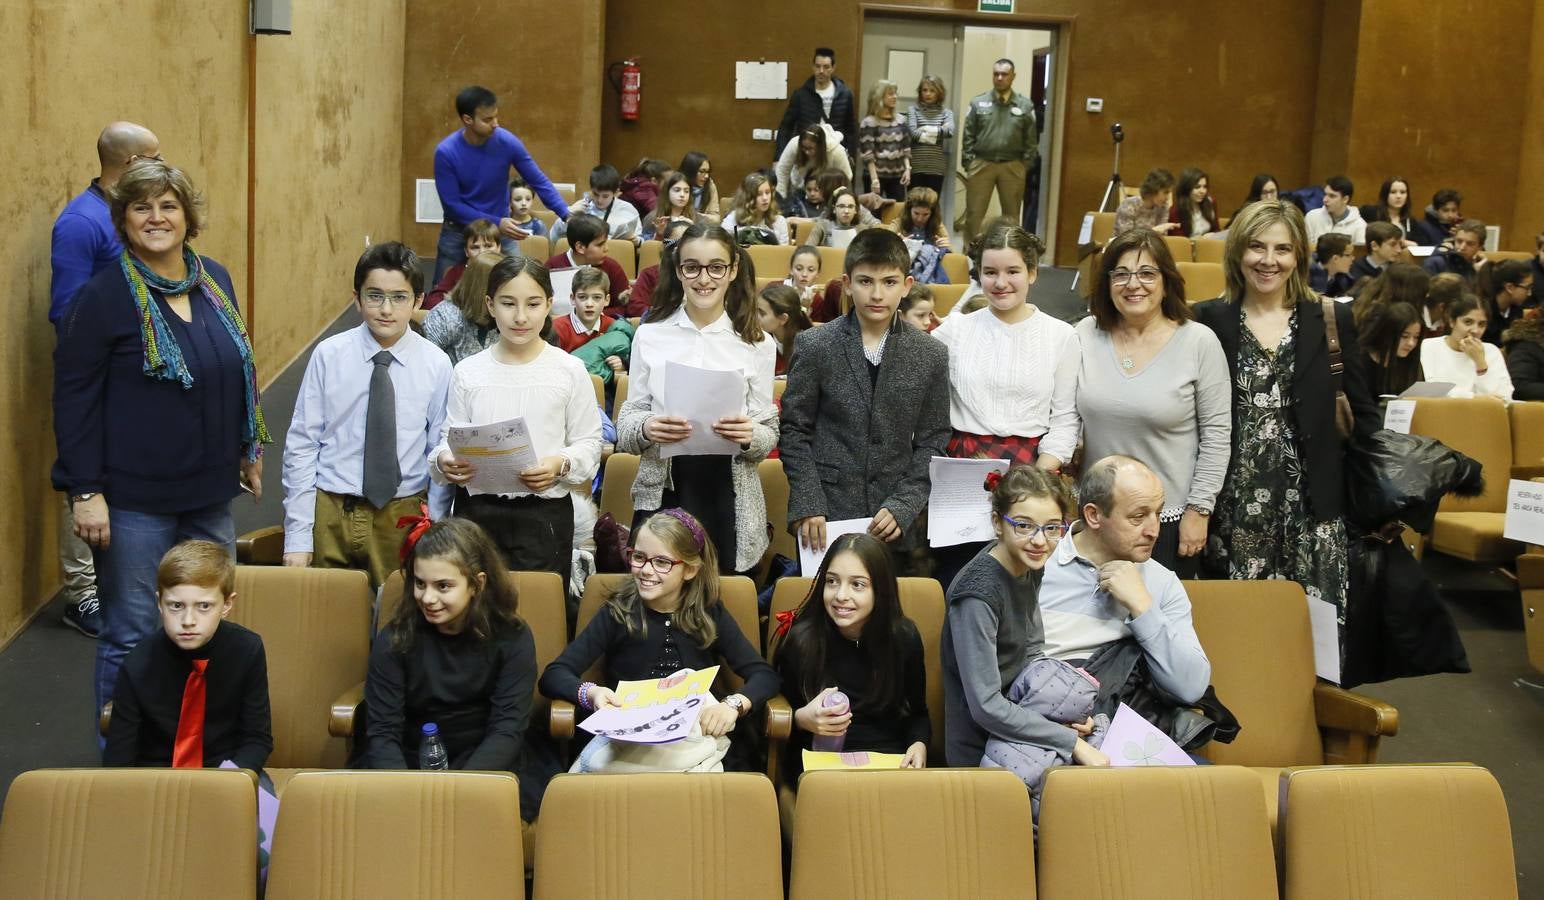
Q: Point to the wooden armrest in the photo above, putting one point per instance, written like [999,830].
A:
[105,718]
[1527,473]
[1530,570]
[560,722]
[779,718]
[263,547]
[340,722]
[1342,710]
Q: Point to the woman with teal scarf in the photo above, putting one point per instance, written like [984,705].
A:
[156,410]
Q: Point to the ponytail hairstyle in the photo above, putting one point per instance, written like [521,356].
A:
[784,301]
[739,299]
[884,637]
[685,539]
[511,267]
[471,293]
[463,544]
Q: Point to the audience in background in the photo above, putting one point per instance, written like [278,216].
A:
[1462,358]
[1399,283]
[1393,206]
[482,236]
[818,148]
[587,247]
[1441,218]
[642,186]
[1462,254]
[1263,187]
[922,220]
[1506,290]
[1330,273]
[675,202]
[639,295]
[1150,208]
[471,174]
[521,199]
[930,125]
[1442,291]
[1391,332]
[838,223]
[1000,147]
[755,218]
[620,219]
[699,172]
[822,98]
[916,308]
[884,144]
[1385,244]
[587,321]
[1337,215]
[1194,212]
[804,274]
[464,326]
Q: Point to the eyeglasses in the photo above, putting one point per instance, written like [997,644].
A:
[637,559]
[1145,276]
[716,271]
[376,299]
[1053,531]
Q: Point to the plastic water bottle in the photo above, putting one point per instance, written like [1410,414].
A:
[431,750]
[829,743]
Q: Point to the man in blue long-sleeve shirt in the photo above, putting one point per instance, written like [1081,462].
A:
[85,242]
[471,173]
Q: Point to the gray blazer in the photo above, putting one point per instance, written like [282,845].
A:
[851,446]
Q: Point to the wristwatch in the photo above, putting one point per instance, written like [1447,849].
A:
[81,498]
[735,702]
[1203,513]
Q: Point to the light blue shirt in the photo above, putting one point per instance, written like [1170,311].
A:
[325,447]
[1080,618]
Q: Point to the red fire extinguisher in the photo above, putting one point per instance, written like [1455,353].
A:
[629,86]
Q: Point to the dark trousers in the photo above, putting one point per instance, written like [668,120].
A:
[534,534]
[704,488]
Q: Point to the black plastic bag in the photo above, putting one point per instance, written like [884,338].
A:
[1393,476]
[1396,623]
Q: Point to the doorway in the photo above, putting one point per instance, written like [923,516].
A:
[961,54]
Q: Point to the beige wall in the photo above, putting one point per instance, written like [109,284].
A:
[179,67]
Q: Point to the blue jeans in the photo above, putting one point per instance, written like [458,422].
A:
[451,250]
[126,582]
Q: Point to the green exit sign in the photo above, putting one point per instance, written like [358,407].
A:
[997,6]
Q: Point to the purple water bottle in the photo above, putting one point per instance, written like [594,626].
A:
[823,743]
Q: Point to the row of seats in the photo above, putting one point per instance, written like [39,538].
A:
[1411,832]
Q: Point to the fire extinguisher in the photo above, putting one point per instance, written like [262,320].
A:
[629,86]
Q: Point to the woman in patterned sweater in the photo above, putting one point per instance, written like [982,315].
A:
[884,146]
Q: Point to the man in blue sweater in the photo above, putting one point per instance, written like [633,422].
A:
[471,173]
[84,242]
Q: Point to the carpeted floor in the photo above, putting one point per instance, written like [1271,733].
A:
[1493,716]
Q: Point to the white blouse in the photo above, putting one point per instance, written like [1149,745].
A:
[1439,362]
[715,347]
[554,394]
[1019,379]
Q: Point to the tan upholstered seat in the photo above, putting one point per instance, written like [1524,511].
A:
[738,595]
[1408,832]
[1180,247]
[452,835]
[1526,422]
[616,488]
[161,833]
[1104,228]
[957,267]
[1203,281]
[1210,250]
[946,297]
[1257,637]
[774,489]
[536,247]
[621,394]
[261,547]
[625,252]
[771,259]
[649,253]
[675,836]
[799,229]
[831,262]
[924,834]
[1198,832]
[1470,527]
[600,390]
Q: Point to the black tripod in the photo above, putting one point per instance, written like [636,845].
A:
[1113,189]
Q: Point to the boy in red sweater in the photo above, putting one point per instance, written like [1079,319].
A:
[587,247]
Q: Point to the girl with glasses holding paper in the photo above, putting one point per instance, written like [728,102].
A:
[1154,385]
[703,316]
[665,618]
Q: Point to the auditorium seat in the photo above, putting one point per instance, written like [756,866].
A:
[1104,228]
[619,249]
[923,834]
[1411,832]
[890,213]
[738,594]
[1180,248]
[1203,281]
[161,833]
[1257,637]
[616,488]
[774,491]
[536,247]
[799,229]
[771,259]
[621,393]
[957,267]
[946,296]
[658,836]
[451,835]
[831,262]
[261,547]
[1471,527]
[649,253]
[1496,256]
[1210,250]
[1526,423]
[599,385]
[1198,832]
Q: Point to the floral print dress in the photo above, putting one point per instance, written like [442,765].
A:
[1266,525]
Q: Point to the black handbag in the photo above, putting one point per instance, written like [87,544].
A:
[1396,623]
[1391,476]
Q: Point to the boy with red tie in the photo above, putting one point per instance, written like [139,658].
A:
[197,695]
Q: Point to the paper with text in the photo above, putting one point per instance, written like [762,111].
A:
[1524,512]
[1133,741]
[702,397]
[1323,619]
[809,560]
[1398,415]
[815,761]
[959,507]
[500,452]
[656,711]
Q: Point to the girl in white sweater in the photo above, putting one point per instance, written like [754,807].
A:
[1473,367]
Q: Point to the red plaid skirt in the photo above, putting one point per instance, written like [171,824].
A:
[1018,451]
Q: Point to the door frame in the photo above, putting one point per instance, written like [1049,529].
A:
[1062,28]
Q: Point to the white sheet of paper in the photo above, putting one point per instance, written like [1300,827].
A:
[1428,389]
[563,291]
[809,560]
[1419,252]
[1326,639]
[959,508]
[1086,230]
[702,397]
[1398,414]
[1524,512]
[500,451]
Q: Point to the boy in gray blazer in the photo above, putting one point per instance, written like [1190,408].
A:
[866,406]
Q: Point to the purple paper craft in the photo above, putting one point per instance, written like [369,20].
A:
[1134,741]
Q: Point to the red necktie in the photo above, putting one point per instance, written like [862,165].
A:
[188,752]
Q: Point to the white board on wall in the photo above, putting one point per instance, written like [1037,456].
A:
[761,80]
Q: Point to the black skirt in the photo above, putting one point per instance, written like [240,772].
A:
[704,487]
[534,534]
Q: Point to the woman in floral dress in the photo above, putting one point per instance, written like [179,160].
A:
[1279,513]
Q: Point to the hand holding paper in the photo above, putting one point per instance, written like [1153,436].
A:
[810,557]
[498,453]
[703,398]
[959,506]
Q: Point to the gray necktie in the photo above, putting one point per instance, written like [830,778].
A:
[381,473]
